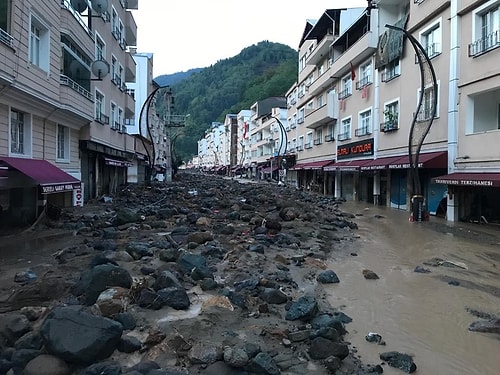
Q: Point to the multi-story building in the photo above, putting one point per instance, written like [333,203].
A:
[357,92]
[64,104]
[243,140]
[46,99]
[106,149]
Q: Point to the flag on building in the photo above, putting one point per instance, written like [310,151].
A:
[245,129]
[353,73]
[364,92]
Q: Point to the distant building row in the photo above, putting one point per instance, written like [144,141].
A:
[343,128]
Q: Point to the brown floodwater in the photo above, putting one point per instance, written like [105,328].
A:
[420,314]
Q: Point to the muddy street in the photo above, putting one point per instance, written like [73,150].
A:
[423,314]
[214,276]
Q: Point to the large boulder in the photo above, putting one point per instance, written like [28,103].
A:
[79,337]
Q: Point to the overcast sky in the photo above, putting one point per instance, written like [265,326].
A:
[186,34]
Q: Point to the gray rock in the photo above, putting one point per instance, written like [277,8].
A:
[97,336]
[263,364]
[327,277]
[305,308]
[46,364]
[235,357]
[13,326]
[273,296]
[204,354]
[129,344]
[166,279]
[103,368]
[175,297]
[322,348]
[401,361]
[139,250]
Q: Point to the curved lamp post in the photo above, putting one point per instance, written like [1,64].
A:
[284,136]
[421,122]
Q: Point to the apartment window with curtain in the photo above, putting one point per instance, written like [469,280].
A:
[427,100]
[99,106]
[391,117]
[62,142]
[112,114]
[364,123]
[391,71]
[20,133]
[485,29]
[346,87]
[430,38]
[366,73]
[309,140]
[39,43]
[345,129]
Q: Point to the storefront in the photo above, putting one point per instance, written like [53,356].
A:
[472,197]
[311,175]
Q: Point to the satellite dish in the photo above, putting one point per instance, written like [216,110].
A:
[100,68]
[75,68]
[79,5]
[99,6]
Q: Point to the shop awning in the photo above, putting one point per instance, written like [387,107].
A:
[347,165]
[311,165]
[50,178]
[469,179]
[268,169]
[427,160]
[380,163]
[117,163]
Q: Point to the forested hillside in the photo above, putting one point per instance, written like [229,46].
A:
[259,71]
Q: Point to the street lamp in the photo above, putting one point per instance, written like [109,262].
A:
[281,160]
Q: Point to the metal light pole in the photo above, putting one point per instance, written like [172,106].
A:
[281,160]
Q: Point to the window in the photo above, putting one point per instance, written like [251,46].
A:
[100,48]
[318,136]
[99,107]
[120,119]
[62,143]
[114,20]
[391,117]
[39,43]
[345,129]
[300,118]
[366,75]
[300,144]
[346,87]
[364,123]
[319,101]
[498,116]
[114,69]
[5,38]
[309,140]
[302,63]
[112,114]
[427,102]
[391,71]
[430,38]
[486,29]
[20,133]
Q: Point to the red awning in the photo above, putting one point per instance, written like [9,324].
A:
[51,178]
[311,165]
[117,163]
[469,179]
[428,160]
[380,163]
[268,169]
[347,165]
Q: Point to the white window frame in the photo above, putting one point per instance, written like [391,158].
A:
[100,102]
[346,128]
[366,74]
[63,143]
[100,48]
[485,41]
[39,44]
[434,30]
[391,105]
[346,86]
[427,100]
[24,140]
[365,122]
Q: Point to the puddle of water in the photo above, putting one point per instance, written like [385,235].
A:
[418,313]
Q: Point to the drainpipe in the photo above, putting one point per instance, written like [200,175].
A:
[453,97]
[453,101]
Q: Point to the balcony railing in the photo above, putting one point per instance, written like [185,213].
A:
[389,126]
[345,93]
[66,4]
[317,141]
[329,138]
[485,44]
[364,130]
[432,50]
[390,74]
[299,148]
[66,81]
[344,136]
[424,115]
[6,38]
[365,81]
[102,118]
[308,145]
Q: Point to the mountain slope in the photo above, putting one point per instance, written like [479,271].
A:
[259,71]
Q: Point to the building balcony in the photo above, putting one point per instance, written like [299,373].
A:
[318,118]
[361,50]
[130,29]
[131,4]
[321,51]
[71,22]
[329,138]
[129,103]
[129,68]
[6,38]
[75,98]
[321,84]
[344,136]
[365,130]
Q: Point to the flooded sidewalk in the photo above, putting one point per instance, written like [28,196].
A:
[426,315]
